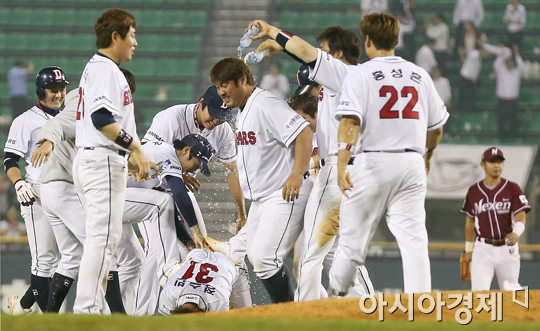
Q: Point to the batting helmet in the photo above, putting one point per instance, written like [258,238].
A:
[302,77]
[48,78]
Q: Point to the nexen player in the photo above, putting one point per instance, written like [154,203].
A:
[51,90]
[274,148]
[495,209]
[105,133]
[339,52]
[387,104]
[206,118]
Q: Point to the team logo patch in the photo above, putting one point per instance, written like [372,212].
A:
[35,292]
[292,121]
[523,199]
[109,277]
[511,250]
[66,282]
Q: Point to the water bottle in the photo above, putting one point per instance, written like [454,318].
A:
[255,57]
[161,165]
[246,41]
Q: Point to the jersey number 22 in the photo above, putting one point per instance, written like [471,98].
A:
[387,112]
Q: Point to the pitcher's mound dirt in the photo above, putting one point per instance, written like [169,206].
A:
[349,308]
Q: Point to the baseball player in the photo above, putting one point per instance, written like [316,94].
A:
[209,280]
[386,106]
[495,209]
[206,118]
[274,148]
[339,52]
[105,133]
[51,90]
[191,153]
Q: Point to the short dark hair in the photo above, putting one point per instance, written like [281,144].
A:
[231,69]
[184,310]
[382,29]
[341,39]
[305,102]
[114,19]
[130,79]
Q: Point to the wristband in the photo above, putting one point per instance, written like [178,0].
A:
[283,37]
[345,146]
[519,227]
[124,139]
[469,246]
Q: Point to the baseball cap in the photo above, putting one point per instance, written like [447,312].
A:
[216,106]
[192,298]
[302,77]
[492,153]
[202,150]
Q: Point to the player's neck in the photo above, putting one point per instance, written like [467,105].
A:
[382,53]
[490,181]
[108,52]
[250,89]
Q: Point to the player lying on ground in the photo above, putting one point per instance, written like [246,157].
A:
[209,281]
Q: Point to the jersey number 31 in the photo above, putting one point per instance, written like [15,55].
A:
[387,112]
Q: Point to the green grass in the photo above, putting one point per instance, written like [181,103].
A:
[202,323]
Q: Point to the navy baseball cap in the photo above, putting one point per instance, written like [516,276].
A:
[216,106]
[202,150]
[302,77]
[492,153]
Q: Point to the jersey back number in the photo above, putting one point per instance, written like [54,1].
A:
[80,105]
[408,112]
[202,275]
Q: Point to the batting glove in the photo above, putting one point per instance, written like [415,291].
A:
[25,193]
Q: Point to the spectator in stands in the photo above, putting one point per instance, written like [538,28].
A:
[12,228]
[515,18]
[275,81]
[425,57]
[5,191]
[17,86]
[466,40]
[436,28]
[442,85]
[469,10]
[470,70]
[407,25]
[508,71]
[373,6]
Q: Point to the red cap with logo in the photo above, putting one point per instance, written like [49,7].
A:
[492,153]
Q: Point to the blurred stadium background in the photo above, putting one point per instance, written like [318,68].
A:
[180,40]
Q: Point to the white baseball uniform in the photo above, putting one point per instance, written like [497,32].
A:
[100,174]
[266,130]
[322,211]
[21,141]
[396,103]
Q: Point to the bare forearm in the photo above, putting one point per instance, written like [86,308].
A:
[469,230]
[434,138]
[14,174]
[302,153]
[297,46]
[112,130]
[236,192]
[349,128]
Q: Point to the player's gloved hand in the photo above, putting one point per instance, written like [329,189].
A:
[291,188]
[240,223]
[344,180]
[511,239]
[265,28]
[271,45]
[25,193]
[41,154]
[191,182]
[465,269]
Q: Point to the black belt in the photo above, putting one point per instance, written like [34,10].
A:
[406,150]
[120,152]
[494,242]
[306,174]
[351,161]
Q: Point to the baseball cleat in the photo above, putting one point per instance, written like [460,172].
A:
[15,308]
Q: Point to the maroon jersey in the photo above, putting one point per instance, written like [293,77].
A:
[494,209]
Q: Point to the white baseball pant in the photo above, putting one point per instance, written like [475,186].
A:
[488,260]
[66,215]
[391,183]
[272,229]
[43,248]
[100,177]
[130,265]
[321,225]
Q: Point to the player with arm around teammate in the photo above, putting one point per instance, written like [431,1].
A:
[495,209]
[274,148]
[51,86]
[328,65]
[207,118]
[386,106]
